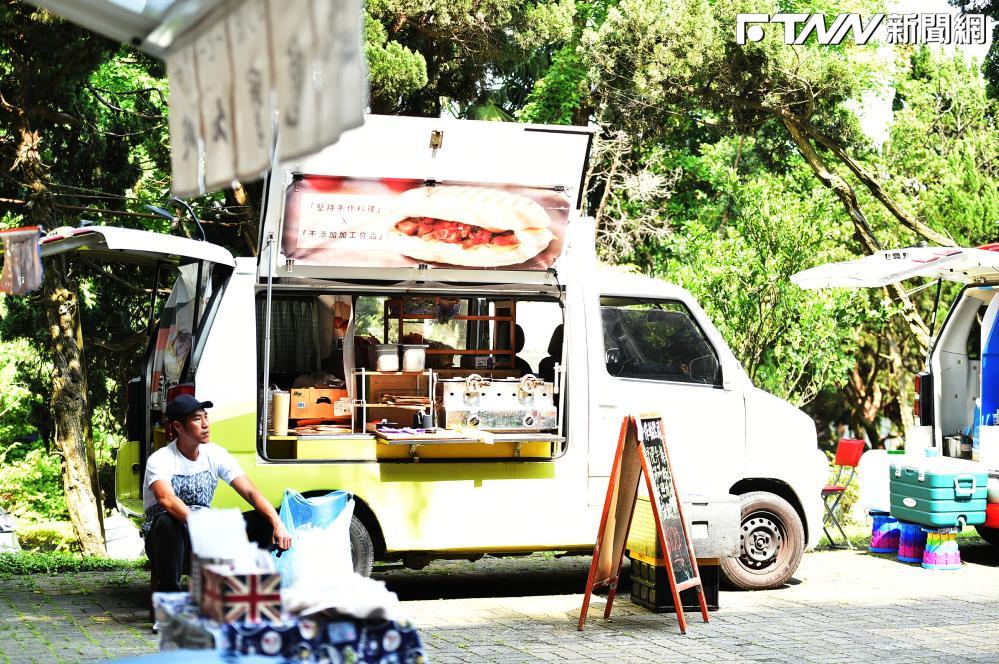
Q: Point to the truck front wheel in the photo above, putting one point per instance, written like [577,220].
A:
[362,548]
[771,542]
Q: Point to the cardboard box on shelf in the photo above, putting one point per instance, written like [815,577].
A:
[316,403]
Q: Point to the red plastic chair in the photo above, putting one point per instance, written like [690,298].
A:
[848,453]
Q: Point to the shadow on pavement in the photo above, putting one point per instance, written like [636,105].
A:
[979,553]
[495,577]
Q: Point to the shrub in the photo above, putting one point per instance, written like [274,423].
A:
[31,484]
[52,562]
[49,536]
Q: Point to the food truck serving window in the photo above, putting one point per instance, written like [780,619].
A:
[656,340]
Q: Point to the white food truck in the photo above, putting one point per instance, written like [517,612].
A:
[493,428]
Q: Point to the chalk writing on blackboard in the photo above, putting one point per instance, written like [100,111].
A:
[664,495]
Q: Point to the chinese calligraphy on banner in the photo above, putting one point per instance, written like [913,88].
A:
[297,64]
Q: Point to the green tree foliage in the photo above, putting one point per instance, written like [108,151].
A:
[944,146]
[427,56]
[990,67]
[736,251]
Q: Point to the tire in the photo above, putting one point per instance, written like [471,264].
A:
[771,543]
[362,548]
[990,535]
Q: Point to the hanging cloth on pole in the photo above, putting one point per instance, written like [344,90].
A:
[22,266]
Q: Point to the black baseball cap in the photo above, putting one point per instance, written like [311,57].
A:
[183,405]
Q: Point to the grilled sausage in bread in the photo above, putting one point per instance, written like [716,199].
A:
[471,226]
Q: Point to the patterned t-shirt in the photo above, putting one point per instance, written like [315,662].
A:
[193,481]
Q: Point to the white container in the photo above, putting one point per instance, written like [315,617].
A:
[414,357]
[918,440]
[872,472]
[988,446]
[387,357]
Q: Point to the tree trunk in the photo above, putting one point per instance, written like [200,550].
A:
[73,435]
[71,409]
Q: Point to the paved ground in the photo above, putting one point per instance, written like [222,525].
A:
[842,607]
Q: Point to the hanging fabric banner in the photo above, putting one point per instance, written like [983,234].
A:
[296,66]
[249,44]
[185,123]
[22,265]
[342,68]
[215,92]
[292,27]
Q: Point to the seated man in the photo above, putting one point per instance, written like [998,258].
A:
[182,476]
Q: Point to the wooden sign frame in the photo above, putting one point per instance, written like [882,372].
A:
[630,463]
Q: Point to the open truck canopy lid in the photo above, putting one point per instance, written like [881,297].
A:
[125,245]
[959,264]
[497,196]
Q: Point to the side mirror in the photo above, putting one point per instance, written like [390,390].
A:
[704,369]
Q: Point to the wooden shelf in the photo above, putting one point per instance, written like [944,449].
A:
[507,313]
[405,317]
[444,351]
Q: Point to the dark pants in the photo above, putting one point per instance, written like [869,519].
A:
[168,546]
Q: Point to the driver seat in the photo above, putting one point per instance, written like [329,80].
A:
[546,369]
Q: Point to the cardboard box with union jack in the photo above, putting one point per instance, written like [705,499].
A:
[241,595]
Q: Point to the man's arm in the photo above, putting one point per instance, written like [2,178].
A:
[244,487]
[169,501]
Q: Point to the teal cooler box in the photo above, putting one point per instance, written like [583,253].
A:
[938,492]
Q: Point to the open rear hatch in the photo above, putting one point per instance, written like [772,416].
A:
[964,265]
[107,244]
[419,199]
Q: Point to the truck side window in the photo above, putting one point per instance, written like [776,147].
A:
[975,338]
[177,327]
[656,340]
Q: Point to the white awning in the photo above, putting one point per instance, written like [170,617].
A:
[240,70]
[959,264]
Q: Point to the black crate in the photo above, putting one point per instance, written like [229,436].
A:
[650,588]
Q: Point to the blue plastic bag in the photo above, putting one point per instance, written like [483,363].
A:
[320,536]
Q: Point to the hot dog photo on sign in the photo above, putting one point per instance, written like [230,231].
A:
[400,223]
[469,226]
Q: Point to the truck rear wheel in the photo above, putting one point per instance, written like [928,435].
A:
[771,543]
[362,548]
[990,535]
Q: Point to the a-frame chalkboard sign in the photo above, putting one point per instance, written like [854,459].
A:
[641,451]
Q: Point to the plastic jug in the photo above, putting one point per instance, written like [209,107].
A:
[872,472]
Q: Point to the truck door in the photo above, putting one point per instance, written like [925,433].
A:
[656,357]
[165,255]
